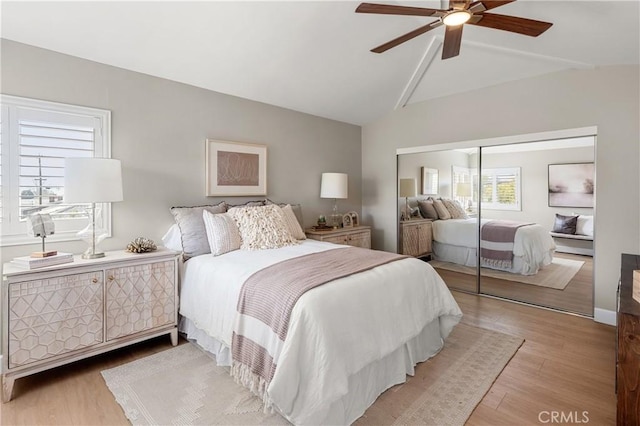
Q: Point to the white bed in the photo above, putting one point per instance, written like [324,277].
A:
[456,240]
[348,340]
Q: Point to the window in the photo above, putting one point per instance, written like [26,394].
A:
[36,136]
[500,189]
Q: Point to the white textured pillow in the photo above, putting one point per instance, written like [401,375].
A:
[292,223]
[222,232]
[262,227]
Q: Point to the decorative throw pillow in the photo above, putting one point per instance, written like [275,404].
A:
[455,210]
[427,209]
[262,227]
[584,226]
[192,231]
[222,232]
[565,224]
[292,223]
[297,209]
[443,213]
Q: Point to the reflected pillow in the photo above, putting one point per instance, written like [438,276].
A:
[455,210]
[427,209]
[584,225]
[443,213]
[565,224]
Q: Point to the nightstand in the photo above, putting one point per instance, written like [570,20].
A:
[59,314]
[358,236]
[416,237]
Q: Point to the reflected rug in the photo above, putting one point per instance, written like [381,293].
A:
[556,275]
[183,385]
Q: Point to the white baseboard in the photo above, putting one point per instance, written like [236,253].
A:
[604,316]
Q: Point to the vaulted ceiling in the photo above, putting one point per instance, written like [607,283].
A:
[313,56]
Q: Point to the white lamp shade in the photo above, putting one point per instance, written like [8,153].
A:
[407,187]
[334,185]
[463,189]
[92,180]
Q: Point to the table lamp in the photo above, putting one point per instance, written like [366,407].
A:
[463,190]
[92,180]
[407,189]
[334,185]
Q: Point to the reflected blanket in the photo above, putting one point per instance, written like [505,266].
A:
[497,241]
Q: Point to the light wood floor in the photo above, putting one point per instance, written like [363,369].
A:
[566,364]
[576,297]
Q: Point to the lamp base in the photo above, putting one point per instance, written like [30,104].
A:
[92,255]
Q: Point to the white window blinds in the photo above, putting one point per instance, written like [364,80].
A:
[37,136]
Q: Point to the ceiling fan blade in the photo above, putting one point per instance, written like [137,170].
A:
[408,36]
[513,24]
[481,6]
[388,9]
[452,40]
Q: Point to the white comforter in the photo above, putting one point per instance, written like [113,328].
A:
[532,243]
[335,329]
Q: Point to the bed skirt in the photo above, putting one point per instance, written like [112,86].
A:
[468,257]
[364,386]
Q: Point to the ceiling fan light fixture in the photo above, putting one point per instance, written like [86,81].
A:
[456,17]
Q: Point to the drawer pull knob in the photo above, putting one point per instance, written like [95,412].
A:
[95,280]
[111,278]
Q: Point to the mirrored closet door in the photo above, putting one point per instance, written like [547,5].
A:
[513,221]
[536,204]
[437,211]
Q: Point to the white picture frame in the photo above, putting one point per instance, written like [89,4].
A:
[235,169]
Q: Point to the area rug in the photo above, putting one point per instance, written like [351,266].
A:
[183,385]
[556,275]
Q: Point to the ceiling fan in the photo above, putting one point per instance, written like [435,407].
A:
[460,12]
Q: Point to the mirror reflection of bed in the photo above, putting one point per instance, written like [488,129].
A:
[512,189]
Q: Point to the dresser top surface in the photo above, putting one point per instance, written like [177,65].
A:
[9,269]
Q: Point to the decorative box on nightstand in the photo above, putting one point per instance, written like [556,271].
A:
[59,314]
[358,236]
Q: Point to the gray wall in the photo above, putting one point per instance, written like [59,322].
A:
[158,131]
[605,97]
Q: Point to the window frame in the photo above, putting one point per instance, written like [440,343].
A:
[13,231]
[518,188]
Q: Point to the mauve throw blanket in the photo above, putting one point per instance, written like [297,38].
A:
[496,243]
[267,299]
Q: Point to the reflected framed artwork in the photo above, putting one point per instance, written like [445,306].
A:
[235,168]
[571,185]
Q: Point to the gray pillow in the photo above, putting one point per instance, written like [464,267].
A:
[192,230]
[427,209]
[565,224]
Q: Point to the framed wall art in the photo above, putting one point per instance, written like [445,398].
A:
[571,185]
[235,169]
